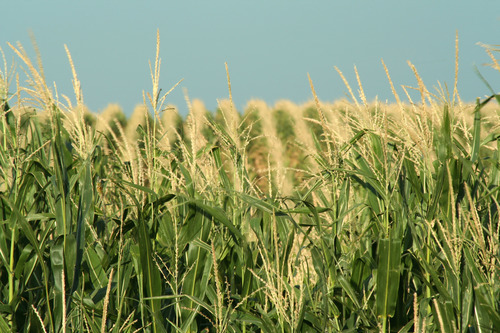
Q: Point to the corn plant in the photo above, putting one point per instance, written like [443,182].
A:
[353,217]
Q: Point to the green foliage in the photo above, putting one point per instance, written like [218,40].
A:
[284,126]
[386,236]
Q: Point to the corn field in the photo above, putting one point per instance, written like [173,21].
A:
[353,216]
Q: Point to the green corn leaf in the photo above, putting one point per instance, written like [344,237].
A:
[360,272]
[226,183]
[57,265]
[152,280]
[39,247]
[349,290]
[476,133]
[85,213]
[467,300]
[444,311]
[97,274]
[4,326]
[388,273]
[218,214]
[23,262]
[4,248]
[139,187]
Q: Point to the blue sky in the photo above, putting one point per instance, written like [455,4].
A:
[269,46]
